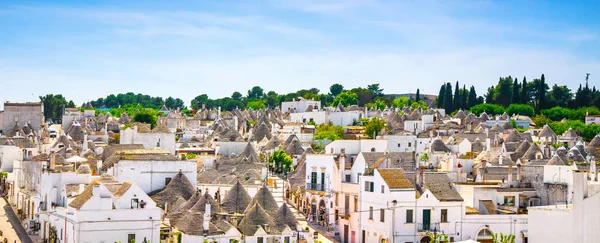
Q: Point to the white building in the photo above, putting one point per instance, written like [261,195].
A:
[300,105]
[322,180]
[407,143]
[150,169]
[574,222]
[8,155]
[159,137]
[108,212]
[391,208]
[342,118]
[356,146]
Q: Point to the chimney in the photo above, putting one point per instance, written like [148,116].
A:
[510,173]
[593,171]
[418,178]
[342,163]
[96,191]
[500,159]
[206,221]
[487,144]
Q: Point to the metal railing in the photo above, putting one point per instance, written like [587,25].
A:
[315,187]
[421,227]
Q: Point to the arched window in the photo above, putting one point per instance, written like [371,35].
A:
[485,236]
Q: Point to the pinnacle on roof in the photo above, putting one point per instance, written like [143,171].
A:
[179,187]
[237,199]
[256,217]
[265,199]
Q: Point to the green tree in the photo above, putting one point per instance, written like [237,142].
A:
[448,105]
[457,98]
[374,126]
[504,91]
[346,98]
[71,104]
[328,131]
[542,93]
[377,104]
[375,89]
[364,95]
[418,95]
[53,106]
[237,96]
[557,113]
[336,89]
[516,97]
[524,92]
[198,101]
[520,109]
[560,96]
[281,161]
[148,116]
[464,93]
[441,96]
[541,120]
[472,101]
[400,102]
[256,105]
[489,96]
[255,93]
[491,109]
[417,104]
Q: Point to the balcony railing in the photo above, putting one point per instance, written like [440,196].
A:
[315,187]
[421,227]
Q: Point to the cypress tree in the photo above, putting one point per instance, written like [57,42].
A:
[457,98]
[516,99]
[472,97]
[464,93]
[418,96]
[524,92]
[542,91]
[440,98]
[448,98]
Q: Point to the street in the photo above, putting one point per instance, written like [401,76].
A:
[10,226]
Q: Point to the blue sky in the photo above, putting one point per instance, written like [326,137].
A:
[88,49]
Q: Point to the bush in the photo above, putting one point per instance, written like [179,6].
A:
[540,121]
[328,131]
[520,109]
[557,113]
[488,108]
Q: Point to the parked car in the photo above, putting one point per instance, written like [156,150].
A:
[53,133]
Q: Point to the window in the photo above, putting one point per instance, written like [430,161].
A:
[369,186]
[399,145]
[259,240]
[444,216]
[286,239]
[130,238]
[358,177]
[371,213]
[167,180]
[382,188]
[348,178]
[409,144]
[134,203]
[509,200]
[409,216]
[382,215]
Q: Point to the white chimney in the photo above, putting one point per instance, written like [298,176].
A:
[487,144]
[500,159]
[206,220]
[342,163]
[510,179]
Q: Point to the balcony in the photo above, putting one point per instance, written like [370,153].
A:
[315,187]
[421,227]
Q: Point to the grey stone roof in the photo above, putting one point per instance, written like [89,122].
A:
[237,199]
[440,186]
[179,188]
[547,132]
[438,146]
[555,160]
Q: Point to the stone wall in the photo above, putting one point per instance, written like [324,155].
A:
[22,113]
[549,194]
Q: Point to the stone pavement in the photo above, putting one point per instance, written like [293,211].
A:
[10,226]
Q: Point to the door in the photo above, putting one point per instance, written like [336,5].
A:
[313,180]
[364,237]
[345,233]
[426,219]
[322,182]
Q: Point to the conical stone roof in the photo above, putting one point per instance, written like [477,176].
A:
[237,199]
